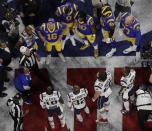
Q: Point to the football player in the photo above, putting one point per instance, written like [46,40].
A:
[77,101]
[68,13]
[127,84]
[131,30]
[107,22]
[102,92]
[86,30]
[28,38]
[53,102]
[51,34]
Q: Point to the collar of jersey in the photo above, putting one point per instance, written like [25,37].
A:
[50,29]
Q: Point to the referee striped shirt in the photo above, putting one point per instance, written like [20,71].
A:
[28,61]
[16,111]
[125,3]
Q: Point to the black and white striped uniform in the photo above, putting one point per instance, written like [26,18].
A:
[30,62]
[144,107]
[17,115]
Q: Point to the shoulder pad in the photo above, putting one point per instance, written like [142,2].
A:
[43,26]
[90,20]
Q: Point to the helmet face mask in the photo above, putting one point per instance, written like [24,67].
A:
[102,76]
[49,90]
[76,89]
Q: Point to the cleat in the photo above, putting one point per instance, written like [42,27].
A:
[130,49]
[111,53]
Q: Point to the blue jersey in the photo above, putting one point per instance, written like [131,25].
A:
[71,16]
[21,81]
[52,35]
[106,22]
[131,31]
[85,28]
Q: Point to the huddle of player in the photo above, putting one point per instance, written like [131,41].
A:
[77,99]
[76,22]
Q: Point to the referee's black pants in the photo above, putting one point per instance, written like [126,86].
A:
[17,123]
[142,118]
[121,9]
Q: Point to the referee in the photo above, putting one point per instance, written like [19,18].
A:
[144,107]
[29,59]
[16,112]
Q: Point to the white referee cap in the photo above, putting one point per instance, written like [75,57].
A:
[10,102]
[23,49]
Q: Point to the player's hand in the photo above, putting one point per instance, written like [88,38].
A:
[93,100]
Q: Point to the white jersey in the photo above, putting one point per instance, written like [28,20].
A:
[144,101]
[128,81]
[29,40]
[78,101]
[104,86]
[50,101]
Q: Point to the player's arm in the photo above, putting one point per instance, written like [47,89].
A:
[42,37]
[39,32]
[138,35]
[86,93]
[36,54]
[96,95]
[120,29]
[61,100]
[69,101]
[26,84]
[42,103]
[92,26]
[61,28]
